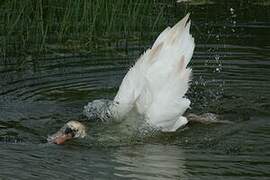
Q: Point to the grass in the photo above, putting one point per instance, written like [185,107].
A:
[45,27]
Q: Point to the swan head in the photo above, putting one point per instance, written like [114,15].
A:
[72,129]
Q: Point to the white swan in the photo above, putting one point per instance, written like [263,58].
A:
[155,86]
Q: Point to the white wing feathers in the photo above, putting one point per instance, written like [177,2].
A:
[156,84]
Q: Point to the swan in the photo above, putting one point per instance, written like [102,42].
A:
[155,86]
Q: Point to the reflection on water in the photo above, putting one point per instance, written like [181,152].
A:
[150,162]
[231,77]
[139,162]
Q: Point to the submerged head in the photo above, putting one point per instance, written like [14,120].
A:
[72,129]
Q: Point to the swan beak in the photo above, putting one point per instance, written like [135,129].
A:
[72,129]
[60,137]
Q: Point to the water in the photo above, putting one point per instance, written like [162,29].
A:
[231,68]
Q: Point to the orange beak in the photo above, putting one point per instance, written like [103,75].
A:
[59,137]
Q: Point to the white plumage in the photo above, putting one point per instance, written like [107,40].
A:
[158,81]
[155,86]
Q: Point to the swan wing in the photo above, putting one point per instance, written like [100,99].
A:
[158,81]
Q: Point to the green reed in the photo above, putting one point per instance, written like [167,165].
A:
[49,26]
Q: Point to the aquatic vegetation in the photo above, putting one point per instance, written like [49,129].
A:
[34,26]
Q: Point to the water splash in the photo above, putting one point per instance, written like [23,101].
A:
[133,126]
[99,109]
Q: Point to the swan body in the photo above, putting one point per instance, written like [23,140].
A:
[156,85]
